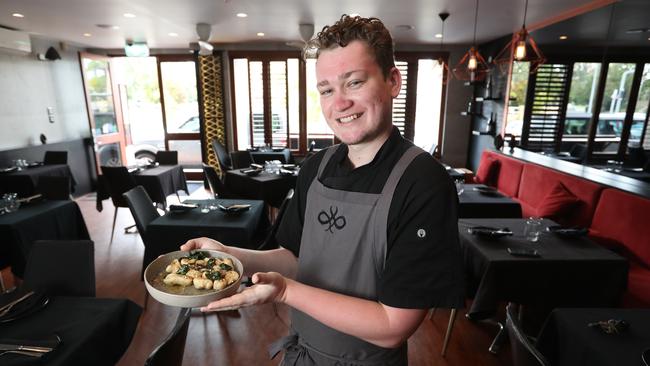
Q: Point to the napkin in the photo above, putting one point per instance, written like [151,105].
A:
[26,307]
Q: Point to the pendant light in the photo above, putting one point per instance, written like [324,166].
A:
[472,66]
[441,61]
[522,47]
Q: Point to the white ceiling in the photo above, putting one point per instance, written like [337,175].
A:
[68,20]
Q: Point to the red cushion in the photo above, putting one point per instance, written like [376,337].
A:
[557,203]
[623,217]
[488,171]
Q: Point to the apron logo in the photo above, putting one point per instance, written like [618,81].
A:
[331,220]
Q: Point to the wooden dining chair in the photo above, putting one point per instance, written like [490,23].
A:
[55,157]
[170,351]
[61,267]
[164,157]
[523,351]
[118,181]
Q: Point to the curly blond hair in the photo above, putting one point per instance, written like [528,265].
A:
[371,31]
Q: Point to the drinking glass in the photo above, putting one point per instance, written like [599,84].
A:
[460,186]
[533,229]
[205,208]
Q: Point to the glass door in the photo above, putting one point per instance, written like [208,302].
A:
[179,98]
[104,112]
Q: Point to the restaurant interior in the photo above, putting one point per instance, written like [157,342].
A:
[129,128]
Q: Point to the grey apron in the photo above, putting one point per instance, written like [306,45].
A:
[343,249]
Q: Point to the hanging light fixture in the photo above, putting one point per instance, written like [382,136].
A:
[472,65]
[441,61]
[522,47]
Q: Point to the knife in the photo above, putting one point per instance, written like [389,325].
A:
[17,347]
[5,309]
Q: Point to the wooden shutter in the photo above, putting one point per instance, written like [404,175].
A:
[399,103]
[546,107]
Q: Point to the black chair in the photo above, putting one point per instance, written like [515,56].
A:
[240,159]
[170,351]
[61,267]
[167,157]
[579,151]
[54,188]
[118,181]
[269,241]
[142,209]
[524,352]
[217,186]
[636,157]
[222,155]
[55,157]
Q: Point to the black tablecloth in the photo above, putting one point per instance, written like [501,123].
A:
[167,233]
[93,331]
[260,157]
[472,203]
[161,181]
[25,181]
[269,187]
[566,340]
[39,220]
[569,272]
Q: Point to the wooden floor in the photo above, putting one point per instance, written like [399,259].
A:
[240,338]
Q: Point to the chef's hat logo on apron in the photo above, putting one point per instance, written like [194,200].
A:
[331,220]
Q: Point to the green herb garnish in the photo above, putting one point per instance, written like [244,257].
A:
[198,255]
[224,267]
[211,262]
[214,275]
[183,270]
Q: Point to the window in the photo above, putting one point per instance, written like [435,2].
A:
[517,99]
[581,103]
[613,108]
[270,108]
[266,99]
[641,112]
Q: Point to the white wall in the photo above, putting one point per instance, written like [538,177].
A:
[29,86]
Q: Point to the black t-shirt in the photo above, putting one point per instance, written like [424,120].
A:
[423,261]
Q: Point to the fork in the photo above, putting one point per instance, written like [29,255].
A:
[24,353]
[9,306]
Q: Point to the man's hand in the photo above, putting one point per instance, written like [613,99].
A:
[268,287]
[203,243]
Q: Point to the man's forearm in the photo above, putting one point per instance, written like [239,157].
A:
[371,321]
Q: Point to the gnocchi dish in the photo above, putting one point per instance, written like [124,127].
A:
[201,271]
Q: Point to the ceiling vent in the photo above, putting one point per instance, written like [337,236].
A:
[15,41]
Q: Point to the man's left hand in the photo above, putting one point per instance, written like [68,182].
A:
[268,287]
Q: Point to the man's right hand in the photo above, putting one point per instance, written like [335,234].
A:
[204,243]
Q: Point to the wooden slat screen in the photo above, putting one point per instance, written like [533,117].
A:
[399,103]
[546,107]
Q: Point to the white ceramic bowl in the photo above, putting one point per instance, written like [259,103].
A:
[162,293]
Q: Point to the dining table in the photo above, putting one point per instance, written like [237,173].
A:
[262,156]
[269,187]
[92,331]
[241,229]
[569,271]
[24,181]
[161,181]
[478,201]
[574,337]
[39,219]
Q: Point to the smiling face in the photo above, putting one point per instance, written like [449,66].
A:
[355,97]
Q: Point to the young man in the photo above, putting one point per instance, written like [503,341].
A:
[370,240]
